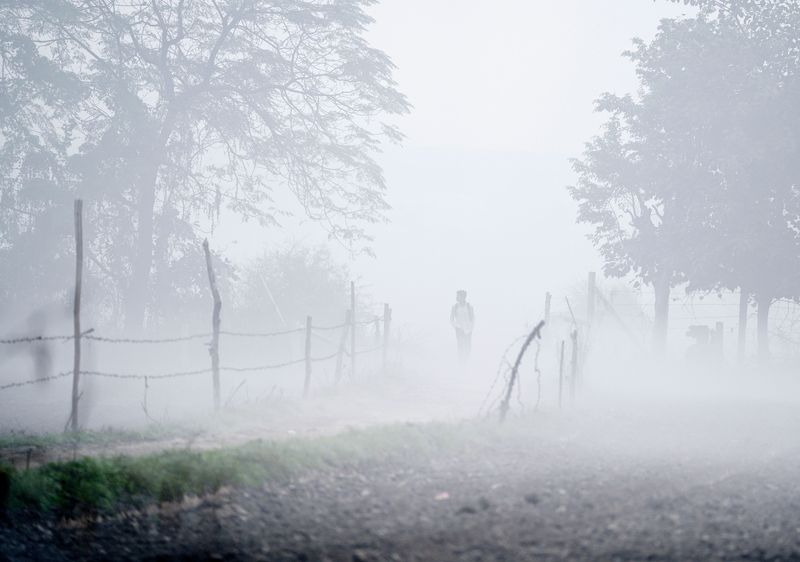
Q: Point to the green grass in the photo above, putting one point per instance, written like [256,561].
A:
[14,440]
[94,485]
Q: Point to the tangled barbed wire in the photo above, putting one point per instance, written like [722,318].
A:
[90,336]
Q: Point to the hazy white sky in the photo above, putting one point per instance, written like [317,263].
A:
[503,96]
[515,75]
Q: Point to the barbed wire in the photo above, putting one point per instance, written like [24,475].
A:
[148,341]
[32,339]
[263,367]
[369,322]
[179,339]
[136,376]
[36,381]
[486,406]
[194,337]
[261,334]
[180,374]
[330,328]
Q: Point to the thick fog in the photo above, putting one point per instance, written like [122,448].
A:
[624,172]
[493,105]
[564,235]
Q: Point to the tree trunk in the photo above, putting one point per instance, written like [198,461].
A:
[136,301]
[137,297]
[661,315]
[764,303]
[744,299]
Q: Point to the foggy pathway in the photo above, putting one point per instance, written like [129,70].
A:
[690,481]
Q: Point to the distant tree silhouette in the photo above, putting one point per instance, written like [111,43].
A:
[161,113]
[699,171]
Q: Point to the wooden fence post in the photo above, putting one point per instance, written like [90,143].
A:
[76,312]
[547,298]
[352,330]
[215,322]
[307,384]
[342,347]
[505,404]
[744,299]
[387,324]
[574,366]
[561,375]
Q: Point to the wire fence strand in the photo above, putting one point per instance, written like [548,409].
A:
[148,341]
[180,374]
[137,376]
[330,328]
[36,381]
[34,339]
[179,339]
[261,334]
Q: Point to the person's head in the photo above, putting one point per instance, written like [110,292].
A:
[461,296]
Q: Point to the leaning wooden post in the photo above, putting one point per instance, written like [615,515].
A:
[547,298]
[76,312]
[387,324]
[574,366]
[561,375]
[506,403]
[342,347]
[215,322]
[307,383]
[352,329]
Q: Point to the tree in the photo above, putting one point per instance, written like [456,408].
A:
[183,107]
[749,62]
[35,102]
[281,287]
[710,136]
[618,192]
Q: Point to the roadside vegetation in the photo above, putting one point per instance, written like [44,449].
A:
[90,486]
[98,438]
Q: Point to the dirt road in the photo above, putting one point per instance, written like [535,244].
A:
[703,483]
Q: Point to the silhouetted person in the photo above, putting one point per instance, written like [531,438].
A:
[462,318]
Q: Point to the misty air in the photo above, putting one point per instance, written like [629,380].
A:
[400,280]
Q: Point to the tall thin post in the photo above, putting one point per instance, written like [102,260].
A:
[591,298]
[352,329]
[215,322]
[387,324]
[762,327]
[744,299]
[342,346]
[76,312]
[561,375]
[307,383]
[547,298]
[574,366]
